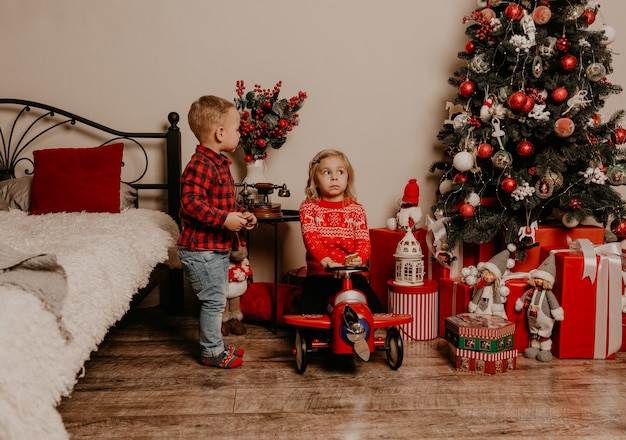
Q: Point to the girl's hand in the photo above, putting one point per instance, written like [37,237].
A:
[353,260]
[328,262]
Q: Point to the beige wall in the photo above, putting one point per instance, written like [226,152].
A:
[375,73]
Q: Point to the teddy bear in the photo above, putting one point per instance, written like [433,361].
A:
[409,215]
[542,310]
[238,273]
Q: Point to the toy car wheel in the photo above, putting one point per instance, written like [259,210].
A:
[394,347]
[301,350]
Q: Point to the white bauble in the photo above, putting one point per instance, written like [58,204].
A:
[473,199]
[445,186]
[609,35]
[463,161]
[569,222]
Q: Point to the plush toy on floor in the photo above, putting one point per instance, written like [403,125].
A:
[410,214]
[238,273]
[490,293]
[542,310]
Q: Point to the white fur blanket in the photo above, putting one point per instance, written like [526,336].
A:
[39,274]
[106,258]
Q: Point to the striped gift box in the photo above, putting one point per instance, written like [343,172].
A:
[483,363]
[420,301]
[484,333]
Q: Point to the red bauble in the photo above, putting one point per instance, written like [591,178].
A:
[517,100]
[619,136]
[467,89]
[484,151]
[460,178]
[514,11]
[530,104]
[525,148]
[509,184]
[470,47]
[590,15]
[568,63]
[559,94]
[563,44]
[466,210]
[619,229]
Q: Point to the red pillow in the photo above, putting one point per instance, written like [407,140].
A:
[77,179]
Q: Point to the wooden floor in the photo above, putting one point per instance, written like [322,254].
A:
[145,383]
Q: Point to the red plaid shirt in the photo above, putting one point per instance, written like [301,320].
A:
[207,197]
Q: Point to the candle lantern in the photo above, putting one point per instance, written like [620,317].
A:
[409,261]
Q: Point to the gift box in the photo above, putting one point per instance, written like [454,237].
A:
[481,333]
[588,287]
[454,296]
[517,287]
[483,363]
[623,348]
[419,301]
[467,254]
[555,237]
[382,264]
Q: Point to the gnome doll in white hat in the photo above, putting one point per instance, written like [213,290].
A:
[542,310]
[490,293]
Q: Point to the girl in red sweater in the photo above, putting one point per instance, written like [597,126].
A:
[335,232]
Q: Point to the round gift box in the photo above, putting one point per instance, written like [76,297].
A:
[420,301]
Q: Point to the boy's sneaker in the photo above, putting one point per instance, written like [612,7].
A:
[225,360]
[234,350]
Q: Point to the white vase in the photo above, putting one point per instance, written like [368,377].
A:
[255,173]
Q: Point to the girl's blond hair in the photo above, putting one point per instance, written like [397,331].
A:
[312,191]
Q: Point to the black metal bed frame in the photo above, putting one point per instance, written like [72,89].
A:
[15,149]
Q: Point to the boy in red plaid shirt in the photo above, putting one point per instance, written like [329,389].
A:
[210,218]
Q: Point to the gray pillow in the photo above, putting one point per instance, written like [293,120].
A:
[16,192]
[4,206]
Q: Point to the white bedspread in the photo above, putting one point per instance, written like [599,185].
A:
[107,258]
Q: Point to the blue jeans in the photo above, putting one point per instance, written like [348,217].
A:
[207,272]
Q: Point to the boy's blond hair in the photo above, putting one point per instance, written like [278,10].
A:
[206,113]
[312,186]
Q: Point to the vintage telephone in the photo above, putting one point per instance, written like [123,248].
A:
[259,201]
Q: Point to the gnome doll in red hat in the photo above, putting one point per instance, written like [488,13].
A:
[410,214]
[542,310]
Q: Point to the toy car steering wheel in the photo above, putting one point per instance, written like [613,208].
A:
[347,269]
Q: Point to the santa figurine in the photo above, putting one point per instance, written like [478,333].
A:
[239,272]
[542,310]
[410,214]
[490,293]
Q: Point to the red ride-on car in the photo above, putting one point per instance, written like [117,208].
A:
[350,327]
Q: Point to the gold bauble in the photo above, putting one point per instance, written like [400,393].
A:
[556,177]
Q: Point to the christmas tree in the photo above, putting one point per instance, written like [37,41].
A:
[525,142]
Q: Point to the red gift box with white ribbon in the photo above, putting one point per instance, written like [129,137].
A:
[552,237]
[588,287]
[454,296]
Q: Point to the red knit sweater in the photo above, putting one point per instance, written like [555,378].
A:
[335,230]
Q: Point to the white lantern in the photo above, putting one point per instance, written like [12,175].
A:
[409,261]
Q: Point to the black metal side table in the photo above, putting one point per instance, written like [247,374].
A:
[288,215]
